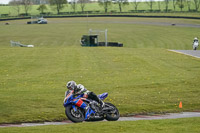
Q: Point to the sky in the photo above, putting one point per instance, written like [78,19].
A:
[4,1]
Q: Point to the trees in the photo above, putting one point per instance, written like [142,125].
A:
[59,4]
[135,4]
[174,4]
[121,3]
[181,4]
[16,5]
[188,2]
[73,4]
[105,3]
[27,5]
[150,3]
[196,4]
[159,5]
[83,3]
[166,5]
[24,6]
[41,8]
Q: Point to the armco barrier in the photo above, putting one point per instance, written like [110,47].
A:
[142,16]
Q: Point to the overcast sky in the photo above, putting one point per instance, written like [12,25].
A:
[4,1]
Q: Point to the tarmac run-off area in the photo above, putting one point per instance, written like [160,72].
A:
[131,118]
[193,53]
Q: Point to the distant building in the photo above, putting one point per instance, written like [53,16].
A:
[44,2]
[38,2]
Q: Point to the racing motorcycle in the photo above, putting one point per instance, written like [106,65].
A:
[195,45]
[79,109]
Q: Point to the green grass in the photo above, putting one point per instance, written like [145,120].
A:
[187,125]
[141,77]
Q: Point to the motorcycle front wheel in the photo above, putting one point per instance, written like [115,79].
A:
[112,115]
[74,116]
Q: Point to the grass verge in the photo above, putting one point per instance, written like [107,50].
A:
[141,77]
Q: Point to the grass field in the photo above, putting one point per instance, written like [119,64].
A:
[141,77]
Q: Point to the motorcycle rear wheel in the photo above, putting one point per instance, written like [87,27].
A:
[74,116]
[112,116]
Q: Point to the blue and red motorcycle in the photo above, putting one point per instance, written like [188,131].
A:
[78,108]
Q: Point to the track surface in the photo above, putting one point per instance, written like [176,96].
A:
[151,23]
[132,118]
[159,22]
[193,53]
[147,22]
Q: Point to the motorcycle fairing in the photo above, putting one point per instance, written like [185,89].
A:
[88,113]
[83,105]
[80,103]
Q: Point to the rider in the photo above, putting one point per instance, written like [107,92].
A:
[195,40]
[80,89]
[195,43]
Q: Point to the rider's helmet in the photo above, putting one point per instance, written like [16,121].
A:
[71,85]
[195,38]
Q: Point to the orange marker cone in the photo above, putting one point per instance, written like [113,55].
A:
[180,105]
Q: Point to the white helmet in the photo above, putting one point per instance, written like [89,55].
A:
[71,85]
[195,38]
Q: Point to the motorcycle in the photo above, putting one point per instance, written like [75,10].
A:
[79,109]
[195,45]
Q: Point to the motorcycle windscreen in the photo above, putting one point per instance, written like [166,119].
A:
[103,96]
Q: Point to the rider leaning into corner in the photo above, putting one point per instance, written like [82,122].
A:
[195,43]
[80,89]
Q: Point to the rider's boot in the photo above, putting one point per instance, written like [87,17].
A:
[92,106]
[102,104]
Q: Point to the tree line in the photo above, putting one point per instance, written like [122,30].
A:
[105,4]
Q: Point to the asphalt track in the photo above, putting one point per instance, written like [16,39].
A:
[131,22]
[131,118]
[146,22]
[151,23]
[193,53]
